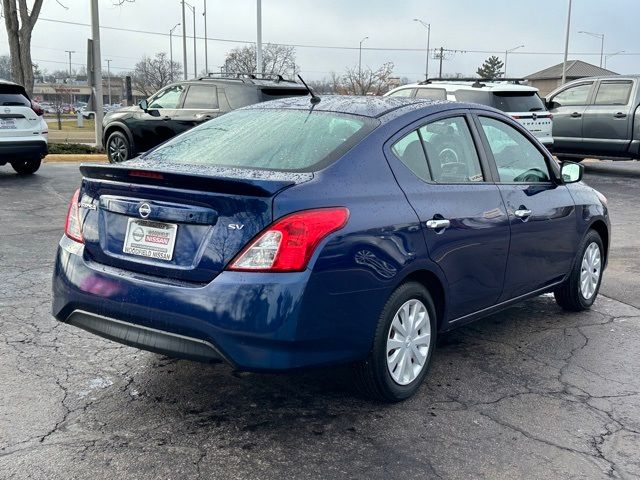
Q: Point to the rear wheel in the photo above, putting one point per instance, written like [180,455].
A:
[581,288]
[402,347]
[118,147]
[27,166]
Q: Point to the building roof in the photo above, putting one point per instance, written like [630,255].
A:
[575,69]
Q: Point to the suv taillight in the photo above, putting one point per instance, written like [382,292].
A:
[35,106]
[72,226]
[288,244]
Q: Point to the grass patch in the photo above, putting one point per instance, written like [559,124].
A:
[73,149]
[72,125]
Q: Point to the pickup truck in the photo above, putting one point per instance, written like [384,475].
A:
[596,117]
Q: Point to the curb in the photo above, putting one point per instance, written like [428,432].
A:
[76,158]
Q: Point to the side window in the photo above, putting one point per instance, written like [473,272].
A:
[577,95]
[432,93]
[405,92]
[411,153]
[517,159]
[201,96]
[451,153]
[613,93]
[167,98]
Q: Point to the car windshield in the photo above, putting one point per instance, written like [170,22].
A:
[518,102]
[286,140]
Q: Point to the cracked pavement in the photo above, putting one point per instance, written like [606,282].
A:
[532,392]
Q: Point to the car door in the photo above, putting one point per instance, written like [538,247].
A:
[568,107]
[155,125]
[541,211]
[463,217]
[200,104]
[607,120]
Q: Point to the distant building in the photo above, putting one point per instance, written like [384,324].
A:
[550,78]
[78,91]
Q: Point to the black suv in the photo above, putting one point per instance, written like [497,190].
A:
[129,131]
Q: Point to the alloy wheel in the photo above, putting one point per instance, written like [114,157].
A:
[118,149]
[408,342]
[590,270]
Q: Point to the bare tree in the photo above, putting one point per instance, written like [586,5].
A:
[19,36]
[368,81]
[5,67]
[276,59]
[151,74]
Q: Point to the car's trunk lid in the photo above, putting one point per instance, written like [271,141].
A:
[180,222]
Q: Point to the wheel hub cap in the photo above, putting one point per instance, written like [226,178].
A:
[590,270]
[408,342]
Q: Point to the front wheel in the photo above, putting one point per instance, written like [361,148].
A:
[580,290]
[402,347]
[26,167]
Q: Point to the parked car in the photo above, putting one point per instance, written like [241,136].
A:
[23,131]
[291,234]
[522,102]
[596,117]
[129,131]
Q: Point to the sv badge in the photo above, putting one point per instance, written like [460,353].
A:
[235,226]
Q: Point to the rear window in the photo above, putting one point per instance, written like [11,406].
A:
[13,95]
[518,102]
[284,140]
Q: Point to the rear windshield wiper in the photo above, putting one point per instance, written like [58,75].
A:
[535,109]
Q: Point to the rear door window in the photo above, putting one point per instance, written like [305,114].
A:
[201,96]
[613,93]
[518,102]
[517,159]
[451,152]
[432,93]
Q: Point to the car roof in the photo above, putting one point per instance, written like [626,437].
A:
[365,106]
[274,81]
[453,86]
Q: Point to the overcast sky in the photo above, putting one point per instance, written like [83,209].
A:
[465,25]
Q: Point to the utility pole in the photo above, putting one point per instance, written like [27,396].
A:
[109,79]
[195,62]
[97,70]
[184,43]
[206,56]
[70,52]
[171,50]
[259,64]
[506,55]
[360,60]
[441,57]
[428,27]
[566,47]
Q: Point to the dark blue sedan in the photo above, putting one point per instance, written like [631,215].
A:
[291,234]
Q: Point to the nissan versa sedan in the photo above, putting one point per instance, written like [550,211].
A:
[342,230]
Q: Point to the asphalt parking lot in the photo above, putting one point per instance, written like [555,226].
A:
[533,392]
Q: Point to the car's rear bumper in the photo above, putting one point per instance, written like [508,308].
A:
[254,321]
[18,149]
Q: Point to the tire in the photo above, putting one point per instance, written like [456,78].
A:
[573,295]
[26,167]
[118,147]
[374,377]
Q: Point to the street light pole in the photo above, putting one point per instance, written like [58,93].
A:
[109,79]
[206,56]
[360,60]
[70,52]
[428,27]
[566,47]
[195,62]
[184,43]
[97,70]
[601,37]
[506,54]
[607,57]
[259,65]
[171,50]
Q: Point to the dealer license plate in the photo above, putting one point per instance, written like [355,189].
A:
[150,239]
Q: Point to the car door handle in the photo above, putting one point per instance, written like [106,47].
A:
[619,115]
[522,213]
[576,115]
[437,224]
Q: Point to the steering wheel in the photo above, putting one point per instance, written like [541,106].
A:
[533,175]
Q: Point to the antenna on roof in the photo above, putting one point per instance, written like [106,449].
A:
[314,98]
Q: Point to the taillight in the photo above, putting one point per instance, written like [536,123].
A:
[288,244]
[72,227]
[35,106]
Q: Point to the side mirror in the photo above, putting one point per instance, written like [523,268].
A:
[144,105]
[550,104]
[571,172]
